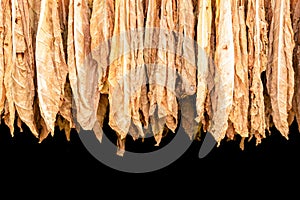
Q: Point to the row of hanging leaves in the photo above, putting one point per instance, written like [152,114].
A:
[57,67]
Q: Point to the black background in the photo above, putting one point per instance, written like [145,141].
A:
[60,165]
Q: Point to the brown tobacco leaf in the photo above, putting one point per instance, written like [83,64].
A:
[51,67]
[120,115]
[186,65]
[258,52]
[138,71]
[101,28]
[127,74]
[280,72]
[239,113]
[23,73]
[83,69]
[186,51]
[9,113]
[204,26]
[222,96]
[210,73]
[296,58]
[65,108]
[164,75]
[2,69]
[150,57]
